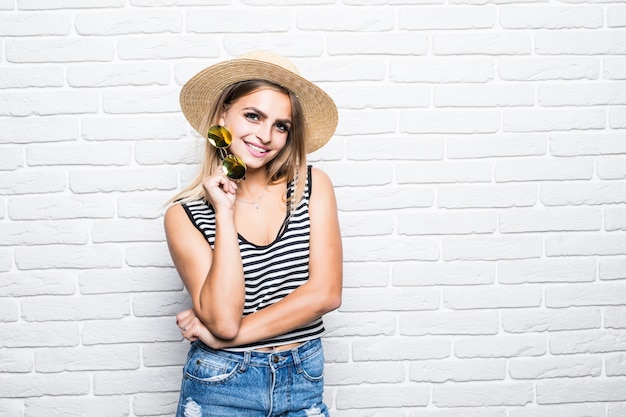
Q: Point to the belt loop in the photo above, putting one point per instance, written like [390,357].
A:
[296,360]
[246,361]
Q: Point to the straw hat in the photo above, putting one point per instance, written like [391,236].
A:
[203,89]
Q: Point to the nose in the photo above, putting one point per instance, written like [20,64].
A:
[264,132]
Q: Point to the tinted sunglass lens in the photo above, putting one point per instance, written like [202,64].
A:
[234,167]
[219,136]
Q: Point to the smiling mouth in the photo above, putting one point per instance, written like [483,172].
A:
[255,148]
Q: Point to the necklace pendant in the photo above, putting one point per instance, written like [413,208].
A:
[256,206]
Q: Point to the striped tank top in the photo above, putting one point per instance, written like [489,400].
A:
[273,271]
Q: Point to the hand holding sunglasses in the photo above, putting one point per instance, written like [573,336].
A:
[232,166]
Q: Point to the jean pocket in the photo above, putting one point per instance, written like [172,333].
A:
[207,368]
[313,367]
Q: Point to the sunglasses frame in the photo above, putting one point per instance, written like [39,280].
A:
[232,166]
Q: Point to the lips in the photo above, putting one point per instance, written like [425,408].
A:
[256,150]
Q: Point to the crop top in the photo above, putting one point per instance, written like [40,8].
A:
[273,271]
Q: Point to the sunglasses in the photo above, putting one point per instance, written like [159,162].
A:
[232,166]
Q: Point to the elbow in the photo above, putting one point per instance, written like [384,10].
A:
[333,302]
[225,329]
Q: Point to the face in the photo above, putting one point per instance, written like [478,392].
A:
[259,124]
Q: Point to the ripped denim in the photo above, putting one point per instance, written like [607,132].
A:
[218,383]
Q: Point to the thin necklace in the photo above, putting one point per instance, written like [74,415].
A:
[256,202]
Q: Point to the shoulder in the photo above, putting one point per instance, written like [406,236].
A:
[321,183]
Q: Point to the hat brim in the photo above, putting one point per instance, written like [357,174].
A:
[204,88]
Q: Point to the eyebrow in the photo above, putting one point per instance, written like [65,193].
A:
[263,115]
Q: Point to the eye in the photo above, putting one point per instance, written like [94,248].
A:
[282,127]
[252,116]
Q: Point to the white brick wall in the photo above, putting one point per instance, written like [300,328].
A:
[480,165]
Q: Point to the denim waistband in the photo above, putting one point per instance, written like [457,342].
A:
[267,358]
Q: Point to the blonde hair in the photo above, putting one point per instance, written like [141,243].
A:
[289,164]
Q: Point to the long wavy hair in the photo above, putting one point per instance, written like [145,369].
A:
[289,164]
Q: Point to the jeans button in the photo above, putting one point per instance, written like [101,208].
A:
[275,359]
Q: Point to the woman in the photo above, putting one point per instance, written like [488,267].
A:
[260,255]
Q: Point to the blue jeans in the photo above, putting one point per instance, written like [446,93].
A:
[217,383]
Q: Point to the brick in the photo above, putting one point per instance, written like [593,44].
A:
[167,152]
[128,230]
[155,404]
[390,299]
[34,24]
[142,205]
[163,304]
[133,128]
[361,275]
[578,193]
[441,70]
[499,346]
[44,233]
[19,284]
[24,77]
[439,273]
[129,280]
[148,255]
[368,123]
[614,68]
[350,20]
[59,50]
[550,220]
[617,118]
[549,120]
[616,364]
[588,94]
[118,75]
[31,182]
[443,172]
[580,390]
[388,395]
[564,410]
[87,358]
[67,4]
[106,406]
[555,367]
[490,248]
[548,68]
[49,103]
[97,332]
[165,354]
[445,18]
[38,129]
[11,408]
[551,17]
[366,373]
[360,324]
[68,256]
[117,154]
[483,95]
[439,371]
[476,43]
[357,224]
[550,320]
[382,248]
[401,348]
[357,43]
[91,307]
[571,42]
[26,385]
[60,208]
[386,197]
[491,297]
[487,196]
[11,158]
[612,268]
[589,143]
[381,97]
[592,294]
[547,270]
[128,179]
[166,47]
[483,394]
[585,244]
[616,410]
[16,361]
[449,323]
[135,381]
[296,45]
[19,335]
[8,310]
[455,223]
[611,167]
[449,121]
[615,317]
[397,148]
[351,174]
[128,22]
[587,342]
[495,145]
[228,20]
[616,16]
[144,101]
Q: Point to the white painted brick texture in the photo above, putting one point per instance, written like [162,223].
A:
[480,171]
